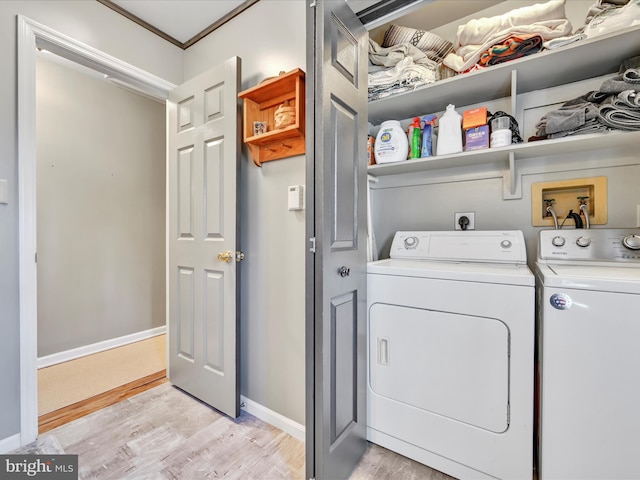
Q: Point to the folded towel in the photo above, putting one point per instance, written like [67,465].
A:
[511,48]
[620,118]
[562,41]
[475,37]
[627,99]
[632,75]
[574,115]
[628,80]
[592,126]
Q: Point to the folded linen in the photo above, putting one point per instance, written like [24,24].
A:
[390,56]
[511,48]
[632,75]
[619,118]
[627,99]
[573,115]
[621,82]
[563,41]
[570,117]
[405,76]
[434,46]
[547,20]
[592,126]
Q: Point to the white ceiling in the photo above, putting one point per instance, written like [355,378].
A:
[185,20]
[182,20]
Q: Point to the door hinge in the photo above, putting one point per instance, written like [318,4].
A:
[312,244]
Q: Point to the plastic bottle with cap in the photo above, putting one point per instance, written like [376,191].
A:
[416,135]
[391,143]
[427,135]
[450,132]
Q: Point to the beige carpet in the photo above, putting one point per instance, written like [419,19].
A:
[70,382]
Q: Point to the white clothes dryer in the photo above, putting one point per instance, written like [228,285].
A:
[589,354]
[451,352]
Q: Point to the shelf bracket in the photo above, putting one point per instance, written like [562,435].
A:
[511,180]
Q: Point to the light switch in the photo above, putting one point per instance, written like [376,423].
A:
[4,192]
[296,197]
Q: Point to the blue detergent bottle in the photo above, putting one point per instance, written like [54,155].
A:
[427,134]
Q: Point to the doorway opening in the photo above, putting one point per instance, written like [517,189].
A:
[33,36]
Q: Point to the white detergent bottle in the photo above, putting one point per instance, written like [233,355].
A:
[392,144]
[450,132]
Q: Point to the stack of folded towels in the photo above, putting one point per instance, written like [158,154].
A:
[615,106]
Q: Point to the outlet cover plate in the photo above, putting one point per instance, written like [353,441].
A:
[470,215]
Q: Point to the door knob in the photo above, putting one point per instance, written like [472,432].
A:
[343,271]
[225,256]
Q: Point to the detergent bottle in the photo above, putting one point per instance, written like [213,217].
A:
[427,135]
[391,143]
[450,132]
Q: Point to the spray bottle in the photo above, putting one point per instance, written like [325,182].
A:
[416,135]
[427,134]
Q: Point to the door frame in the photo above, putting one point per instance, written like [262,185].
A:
[32,35]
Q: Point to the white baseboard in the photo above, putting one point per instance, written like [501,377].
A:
[67,355]
[9,444]
[274,418]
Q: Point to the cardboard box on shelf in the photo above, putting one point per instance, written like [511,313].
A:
[476,138]
[474,118]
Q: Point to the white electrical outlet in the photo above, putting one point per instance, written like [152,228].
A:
[471,216]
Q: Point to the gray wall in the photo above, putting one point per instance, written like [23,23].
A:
[101,208]
[100,27]
[429,203]
[269,37]
[431,206]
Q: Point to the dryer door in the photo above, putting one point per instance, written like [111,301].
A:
[448,364]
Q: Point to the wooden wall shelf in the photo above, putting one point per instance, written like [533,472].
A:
[260,104]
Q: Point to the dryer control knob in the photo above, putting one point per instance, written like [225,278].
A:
[410,242]
[583,241]
[506,244]
[558,241]
[632,242]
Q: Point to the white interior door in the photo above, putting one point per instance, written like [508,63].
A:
[202,228]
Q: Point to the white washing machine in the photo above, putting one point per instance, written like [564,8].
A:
[589,306]
[451,352]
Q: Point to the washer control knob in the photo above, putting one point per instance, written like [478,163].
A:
[410,242]
[632,242]
[583,241]
[506,244]
[558,241]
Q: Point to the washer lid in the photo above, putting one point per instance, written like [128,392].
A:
[497,273]
[585,277]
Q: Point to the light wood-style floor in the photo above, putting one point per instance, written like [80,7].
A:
[164,433]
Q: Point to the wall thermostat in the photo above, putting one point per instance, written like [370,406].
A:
[296,197]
